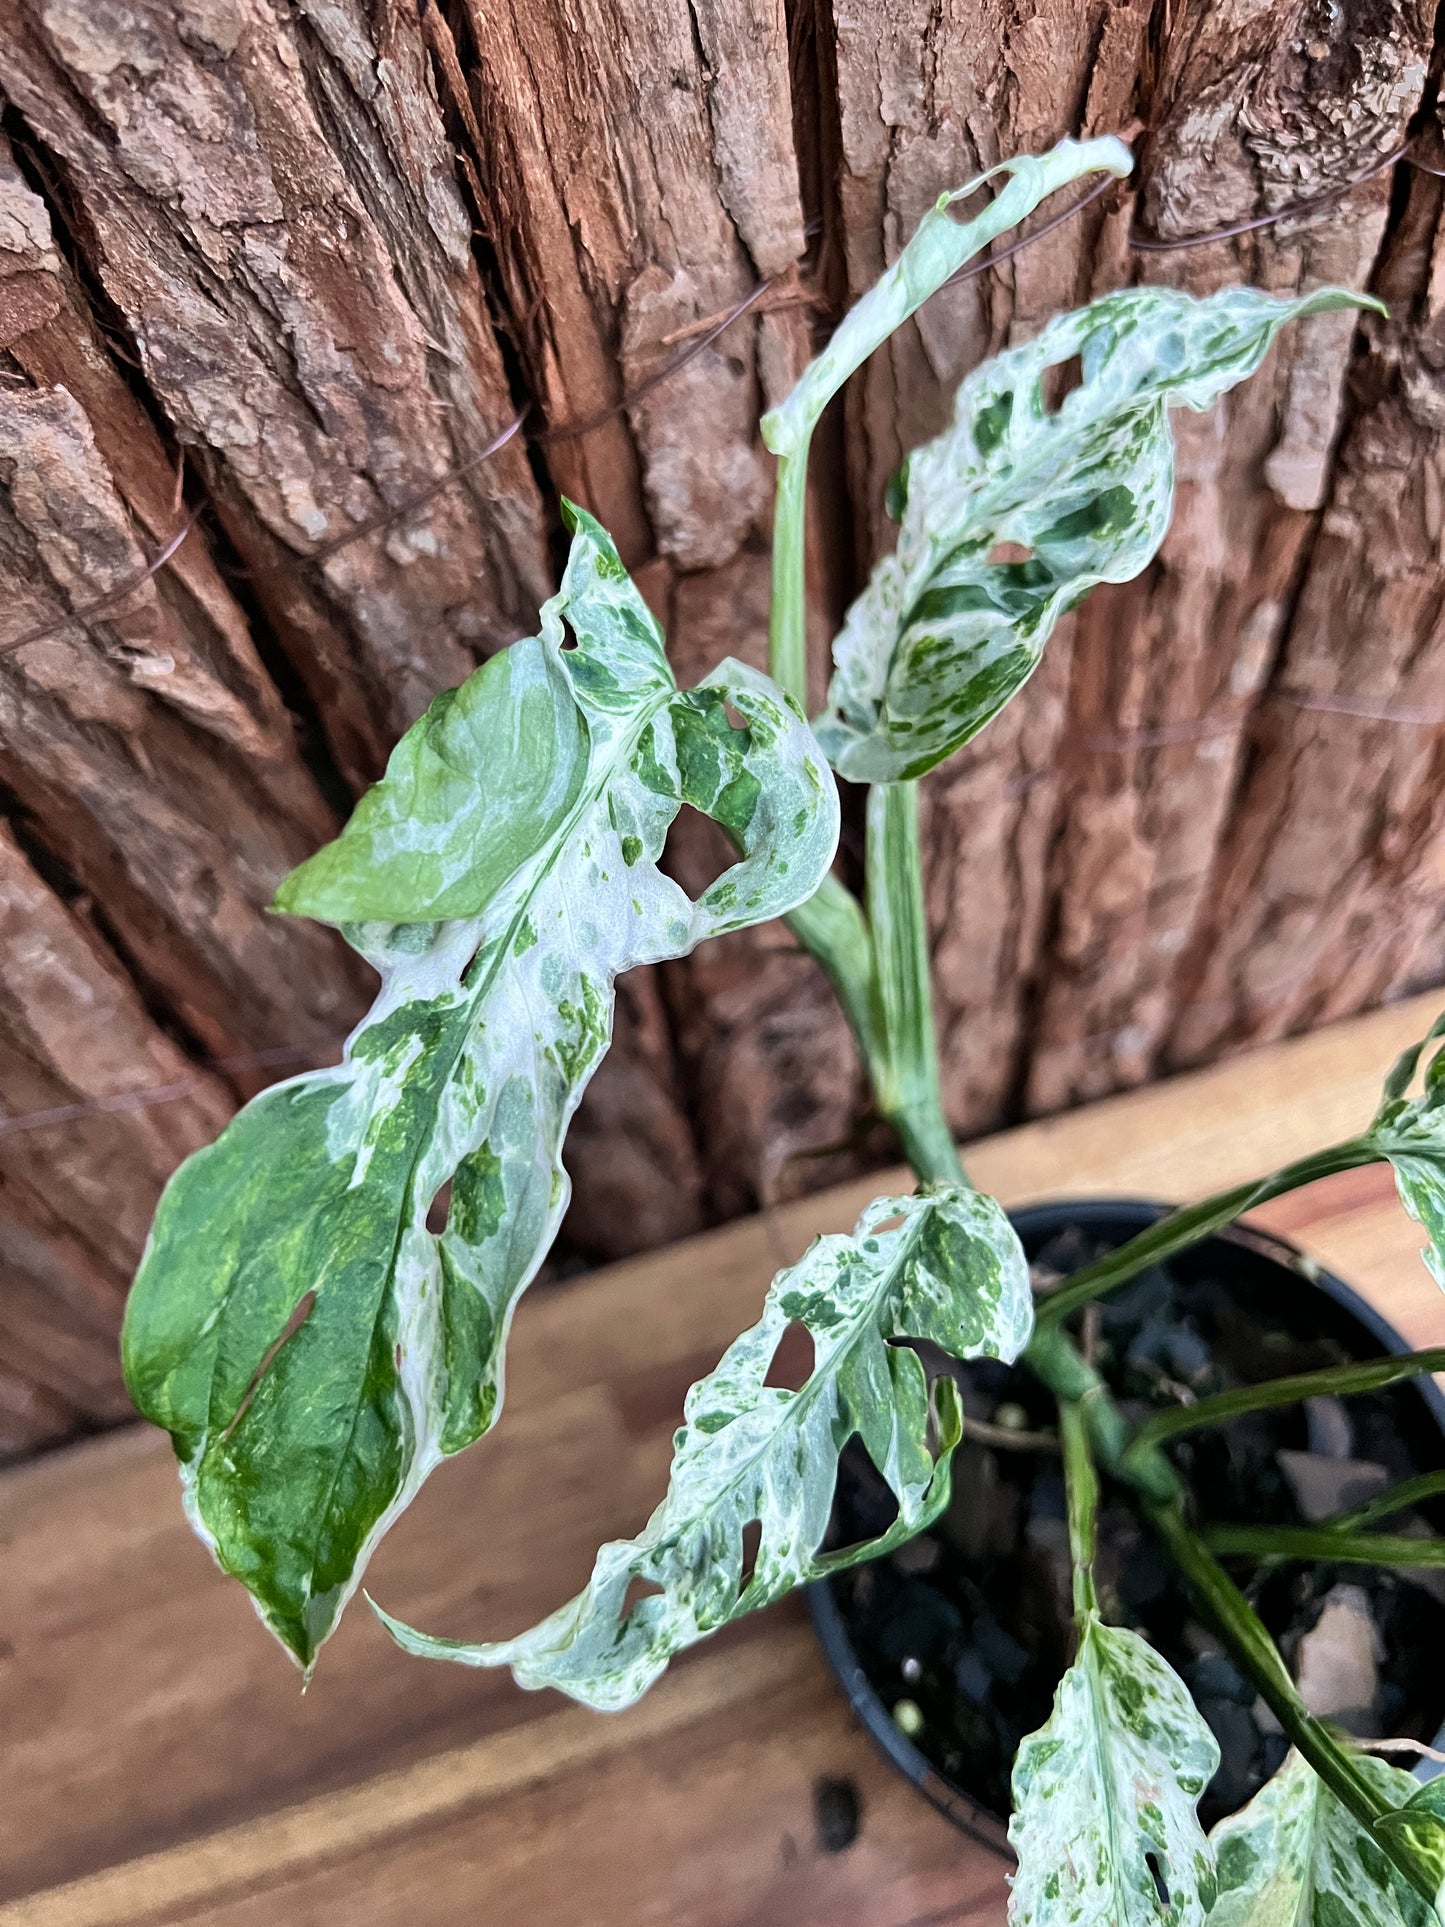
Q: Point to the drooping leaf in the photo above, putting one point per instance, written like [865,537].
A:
[1295,1857]
[1105,1792]
[1410,1132]
[949,628]
[939,246]
[311,1345]
[949,1270]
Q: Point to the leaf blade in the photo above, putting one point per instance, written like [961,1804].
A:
[1109,1782]
[467,1071]
[1415,1834]
[1294,1857]
[944,634]
[509,741]
[951,1271]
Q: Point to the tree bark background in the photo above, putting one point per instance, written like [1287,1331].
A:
[288,266]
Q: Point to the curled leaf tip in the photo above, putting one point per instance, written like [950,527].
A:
[938,249]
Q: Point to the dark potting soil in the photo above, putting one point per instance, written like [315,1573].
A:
[965,1631]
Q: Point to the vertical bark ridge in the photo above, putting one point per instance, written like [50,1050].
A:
[322,349]
[1167,671]
[1326,885]
[76,1196]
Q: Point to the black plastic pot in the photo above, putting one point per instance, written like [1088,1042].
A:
[1272,1273]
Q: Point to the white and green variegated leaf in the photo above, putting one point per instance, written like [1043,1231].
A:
[1108,1786]
[1295,1857]
[947,630]
[311,1345]
[940,245]
[945,1266]
[1415,1834]
[1410,1132]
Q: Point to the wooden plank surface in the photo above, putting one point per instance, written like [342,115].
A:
[159,1764]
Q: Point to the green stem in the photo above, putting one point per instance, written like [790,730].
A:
[879,967]
[1237,1623]
[788,614]
[831,927]
[1324,1543]
[1340,1381]
[906,1080]
[1081,1484]
[882,981]
[929,1148]
[1195,1221]
[1395,1498]
[1054,1359]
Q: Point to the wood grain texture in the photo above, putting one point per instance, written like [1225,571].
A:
[399,1790]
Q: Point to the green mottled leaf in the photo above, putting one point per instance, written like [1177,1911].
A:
[1294,1857]
[1410,1132]
[944,1266]
[1415,1832]
[482,780]
[948,629]
[1108,1785]
[313,1348]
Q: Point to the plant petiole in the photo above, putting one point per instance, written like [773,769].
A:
[1187,1226]
[1324,1544]
[907,1081]
[788,613]
[1338,1381]
[1395,1498]
[1081,1487]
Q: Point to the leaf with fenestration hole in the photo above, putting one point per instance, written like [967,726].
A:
[311,1345]
[950,1271]
[1018,509]
[942,243]
[1295,1857]
[1105,1793]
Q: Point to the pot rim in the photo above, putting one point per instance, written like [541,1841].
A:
[867,1704]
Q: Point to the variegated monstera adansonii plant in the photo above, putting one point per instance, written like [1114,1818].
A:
[322,1312]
